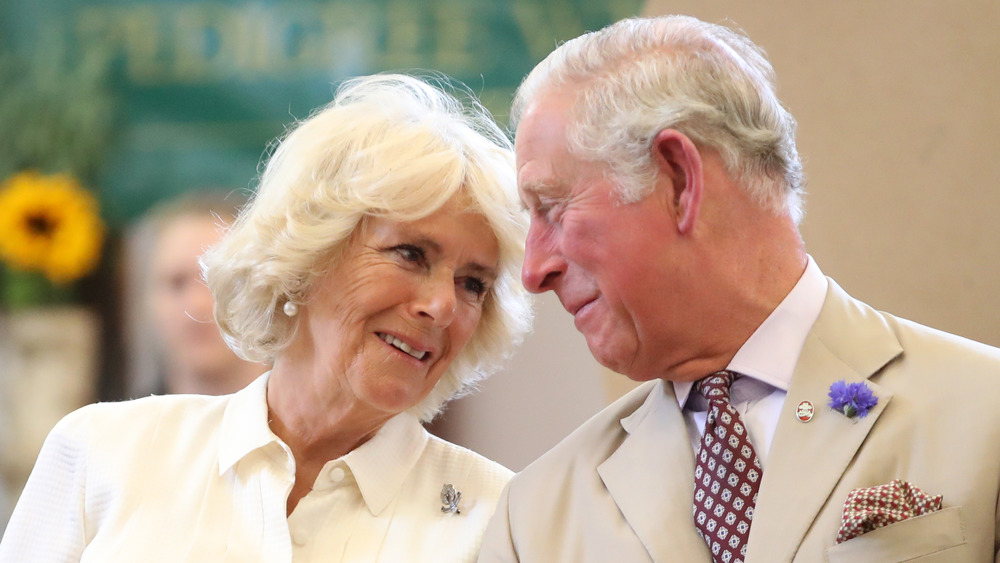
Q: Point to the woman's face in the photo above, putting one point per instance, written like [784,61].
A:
[401,302]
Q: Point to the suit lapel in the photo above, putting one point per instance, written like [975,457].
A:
[656,505]
[849,342]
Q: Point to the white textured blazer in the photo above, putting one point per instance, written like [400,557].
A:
[619,488]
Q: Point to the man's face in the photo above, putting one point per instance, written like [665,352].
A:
[608,262]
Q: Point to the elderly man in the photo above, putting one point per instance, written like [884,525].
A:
[782,419]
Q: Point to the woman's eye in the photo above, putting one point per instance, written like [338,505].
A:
[411,253]
[475,286]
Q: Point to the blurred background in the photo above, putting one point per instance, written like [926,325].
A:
[111,111]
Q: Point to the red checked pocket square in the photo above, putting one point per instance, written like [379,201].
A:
[873,507]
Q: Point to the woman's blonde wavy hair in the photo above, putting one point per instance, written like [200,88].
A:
[390,145]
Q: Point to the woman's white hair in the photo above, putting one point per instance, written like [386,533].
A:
[639,76]
[388,145]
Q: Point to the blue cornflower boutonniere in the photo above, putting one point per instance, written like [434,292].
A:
[852,399]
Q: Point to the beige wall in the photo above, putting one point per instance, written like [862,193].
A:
[898,103]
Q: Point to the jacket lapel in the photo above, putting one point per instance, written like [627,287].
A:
[849,342]
[656,505]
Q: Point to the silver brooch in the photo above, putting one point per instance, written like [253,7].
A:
[450,499]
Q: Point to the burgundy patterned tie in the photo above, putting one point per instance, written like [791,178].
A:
[726,476]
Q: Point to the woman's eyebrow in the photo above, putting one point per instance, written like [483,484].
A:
[434,247]
[485,272]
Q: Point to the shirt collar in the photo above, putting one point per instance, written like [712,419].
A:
[771,352]
[244,424]
[382,464]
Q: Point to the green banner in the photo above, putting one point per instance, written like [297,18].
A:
[145,100]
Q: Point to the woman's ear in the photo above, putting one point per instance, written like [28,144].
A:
[679,169]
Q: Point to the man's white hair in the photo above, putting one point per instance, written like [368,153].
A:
[639,76]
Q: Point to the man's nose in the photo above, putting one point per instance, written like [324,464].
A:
[543,262]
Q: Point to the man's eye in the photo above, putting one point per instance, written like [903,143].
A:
[550,211]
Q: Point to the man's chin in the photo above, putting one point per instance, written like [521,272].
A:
[623,360]
[615,358]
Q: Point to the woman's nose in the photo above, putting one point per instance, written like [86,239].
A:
[437,300]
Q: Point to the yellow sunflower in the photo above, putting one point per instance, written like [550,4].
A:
[49,224]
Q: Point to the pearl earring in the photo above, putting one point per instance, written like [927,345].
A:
[290,309]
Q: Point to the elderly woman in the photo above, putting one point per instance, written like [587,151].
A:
[376,269]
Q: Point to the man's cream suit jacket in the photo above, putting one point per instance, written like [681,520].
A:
[619,488]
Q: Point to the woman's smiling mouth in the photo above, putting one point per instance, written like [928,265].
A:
[399,344]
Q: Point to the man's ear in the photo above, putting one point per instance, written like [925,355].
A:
[679,164]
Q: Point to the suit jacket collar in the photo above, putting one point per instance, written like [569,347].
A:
[652,498]
[851,342]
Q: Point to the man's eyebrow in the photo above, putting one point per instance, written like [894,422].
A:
[532,192]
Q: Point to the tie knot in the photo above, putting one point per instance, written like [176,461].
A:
[715,387]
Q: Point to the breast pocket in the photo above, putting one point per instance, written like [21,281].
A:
[931,538]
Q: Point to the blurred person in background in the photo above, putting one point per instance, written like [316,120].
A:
[190,354]
[376,269]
